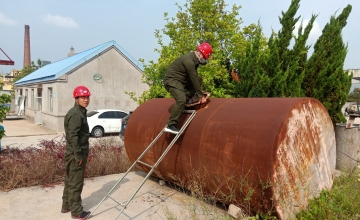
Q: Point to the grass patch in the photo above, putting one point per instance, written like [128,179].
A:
[341,202]
[213,205]
[44,165]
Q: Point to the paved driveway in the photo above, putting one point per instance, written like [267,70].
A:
[23,127]
[22,133]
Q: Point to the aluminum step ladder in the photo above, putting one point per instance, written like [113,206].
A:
[153,167]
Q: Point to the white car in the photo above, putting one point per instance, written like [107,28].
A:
[103,121]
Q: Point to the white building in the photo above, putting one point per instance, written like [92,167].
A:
[107,70]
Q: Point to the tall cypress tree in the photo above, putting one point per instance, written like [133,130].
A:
[325,78]
[279,50]
[280,72]
[299,56]
[254,83]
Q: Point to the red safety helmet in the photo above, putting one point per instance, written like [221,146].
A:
[205,49]
[81,91]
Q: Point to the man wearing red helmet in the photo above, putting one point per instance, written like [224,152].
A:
[77,149]
[184,84]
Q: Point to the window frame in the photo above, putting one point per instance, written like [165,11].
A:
[32,99]
[51,100]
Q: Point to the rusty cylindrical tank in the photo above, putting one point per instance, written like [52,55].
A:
[281,149]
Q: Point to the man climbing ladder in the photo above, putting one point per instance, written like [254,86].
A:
[184,83]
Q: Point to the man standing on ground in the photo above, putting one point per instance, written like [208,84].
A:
[77,149]
[184,83]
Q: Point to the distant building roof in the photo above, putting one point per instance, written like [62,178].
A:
[57,69]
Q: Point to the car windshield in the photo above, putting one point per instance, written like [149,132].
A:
[91,113]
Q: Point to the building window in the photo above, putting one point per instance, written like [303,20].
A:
[26,97]
[38,102]
[50,91]
[32,98]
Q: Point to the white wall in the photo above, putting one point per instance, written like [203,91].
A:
[117,76]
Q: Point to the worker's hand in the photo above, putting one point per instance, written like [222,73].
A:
[80,162]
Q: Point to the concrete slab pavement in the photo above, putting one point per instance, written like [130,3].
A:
[22,133]
[22,142]
[153,201]
[23,127]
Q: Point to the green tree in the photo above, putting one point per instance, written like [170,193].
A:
[354,96]
[254,82]
[276,70]
[286,65]
[281,71]
[4,109]
[198,21]
[325,78]
[26,71]
[299,54]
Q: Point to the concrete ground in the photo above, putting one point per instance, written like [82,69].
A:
[22,133]
[153,201]
[23,128]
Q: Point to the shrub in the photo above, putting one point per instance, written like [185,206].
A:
[44,165]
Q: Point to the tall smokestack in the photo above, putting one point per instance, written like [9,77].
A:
[27,57]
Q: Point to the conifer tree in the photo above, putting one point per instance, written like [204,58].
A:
[280,52]
[299,56]
[278,70]
[254,82]
[325,78]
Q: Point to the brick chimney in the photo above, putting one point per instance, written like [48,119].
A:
[71,51]
[27,58]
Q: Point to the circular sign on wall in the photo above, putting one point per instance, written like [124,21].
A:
[97,77]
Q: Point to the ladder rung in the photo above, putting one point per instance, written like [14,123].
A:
[145,164]
[115,200]
[189,111]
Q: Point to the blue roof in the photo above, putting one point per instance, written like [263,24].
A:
[57,69]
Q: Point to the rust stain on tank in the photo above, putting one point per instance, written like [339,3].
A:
[286,142]
[305,156]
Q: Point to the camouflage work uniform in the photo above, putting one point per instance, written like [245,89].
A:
[183,82]
[77,148]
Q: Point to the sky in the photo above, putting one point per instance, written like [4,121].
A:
[55,26]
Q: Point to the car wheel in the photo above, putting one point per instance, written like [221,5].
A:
[97,132]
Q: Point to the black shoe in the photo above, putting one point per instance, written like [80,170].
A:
[82,215]
[172,129]
[194,99]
